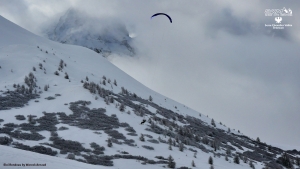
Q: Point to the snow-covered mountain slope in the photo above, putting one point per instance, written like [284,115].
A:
[65,101]
[11,157]
[101,35]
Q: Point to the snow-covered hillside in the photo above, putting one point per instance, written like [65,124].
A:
[101,35]
[66,101]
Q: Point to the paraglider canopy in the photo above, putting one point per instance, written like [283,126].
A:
[162,14]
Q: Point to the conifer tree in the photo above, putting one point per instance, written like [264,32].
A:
[257,139]
[181,147]
[170,147]
[142,137]
[193,164]
[236,159]
[170,141]
[109,143]
[297,161]
[66,76]
[46,88]
[251,165]
[210,160]
[171,163]
[213,122]
[122,107]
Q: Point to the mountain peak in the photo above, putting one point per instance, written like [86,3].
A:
[101,35]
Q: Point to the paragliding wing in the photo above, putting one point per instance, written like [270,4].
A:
[162,14]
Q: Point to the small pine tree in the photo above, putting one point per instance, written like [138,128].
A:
[111,100]
[106,100]
[210,160]
[257,139]
[170,147]
[226,158]
[213,122]
[115,82]
[34,69]
[108,81]
[195,155]
[122,107]
[87,78]
[46,88]
[228,151]
[109,143]
[103,82]
[285,160]
[142,138]
[170,141]
[245,159]
[104,78]
[236,159]
[150,98]
[66,76]
[297,161]
[193,164]
[56,73]
[228,130]
[181,147]
[30,118]
[251,165]
[197,139]
[61,64]
[211,167]
[171,163]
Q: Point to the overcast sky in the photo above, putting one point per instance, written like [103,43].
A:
[217,56]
